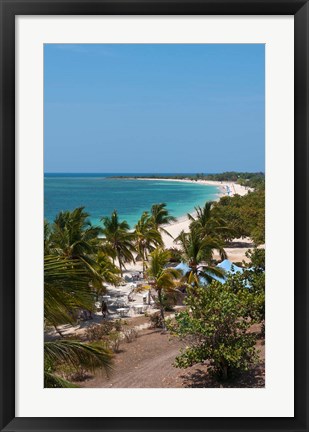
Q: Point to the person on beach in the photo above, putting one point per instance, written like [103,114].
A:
[104,309]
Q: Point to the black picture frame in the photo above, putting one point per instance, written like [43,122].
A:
[9,10]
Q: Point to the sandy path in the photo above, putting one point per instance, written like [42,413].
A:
[144,363]
[147,362]
[151,373]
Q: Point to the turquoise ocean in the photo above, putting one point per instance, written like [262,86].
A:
[100,194]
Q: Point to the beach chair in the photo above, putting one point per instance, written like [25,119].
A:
[98,306]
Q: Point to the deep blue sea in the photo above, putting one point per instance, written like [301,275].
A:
[100,195]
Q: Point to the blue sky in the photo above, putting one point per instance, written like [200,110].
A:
[154,108]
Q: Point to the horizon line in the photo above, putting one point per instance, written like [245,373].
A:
[151,172]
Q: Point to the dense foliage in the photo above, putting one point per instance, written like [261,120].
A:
[252,180]
[216,324]
[80,259]
[197,251]
[215,328]
[245,215]
[162,279]
[66,290]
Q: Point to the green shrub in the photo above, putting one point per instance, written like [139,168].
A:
[215,327]
[245,215]
[113,340]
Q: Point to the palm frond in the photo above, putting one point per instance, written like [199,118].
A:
[77,354]
[65,289]
[163,230]
[52,380]
[210,272]
[160,215]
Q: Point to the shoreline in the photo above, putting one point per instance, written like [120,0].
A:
[182,223]
[225,188]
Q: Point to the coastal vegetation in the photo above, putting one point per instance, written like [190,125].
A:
[160,217]
[209,223]
[147,237]
[65,291]
[216,324]
[162,279]
[243,215]
[197,252]
[118,240]
[81,260]
[252,180]
[216,328]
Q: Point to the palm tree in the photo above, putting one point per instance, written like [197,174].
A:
[118,241]
[65,289]
[210,224]
[73,353]
[162,279]
[108,272]
[147,237]
[160,216]
[197,252]
[74,237]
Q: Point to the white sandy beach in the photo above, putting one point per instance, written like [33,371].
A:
[226,188]
[235,254]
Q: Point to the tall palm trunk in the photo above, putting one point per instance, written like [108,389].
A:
[193,266]
[120,263]
[143,253]
[120,267]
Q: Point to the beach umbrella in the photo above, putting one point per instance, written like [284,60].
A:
[229,267]
[183,267]
[225,265]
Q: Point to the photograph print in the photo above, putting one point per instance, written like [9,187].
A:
[154,215]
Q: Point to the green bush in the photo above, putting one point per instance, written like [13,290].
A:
[113,341]
[215,326]
[245,215]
